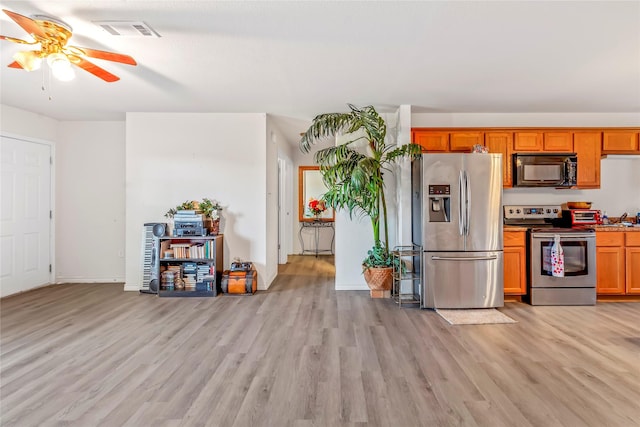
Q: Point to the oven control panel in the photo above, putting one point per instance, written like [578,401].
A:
[532,211]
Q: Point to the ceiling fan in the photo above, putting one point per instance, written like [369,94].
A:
[53,35]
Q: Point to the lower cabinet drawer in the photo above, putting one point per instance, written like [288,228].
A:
[632,238]
[610,238]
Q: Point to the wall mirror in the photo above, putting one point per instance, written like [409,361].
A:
[310,185]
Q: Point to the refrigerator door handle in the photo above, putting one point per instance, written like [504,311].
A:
[461,200]
[467,204]
[468,258]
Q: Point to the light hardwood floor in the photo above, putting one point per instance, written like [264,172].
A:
[302,354]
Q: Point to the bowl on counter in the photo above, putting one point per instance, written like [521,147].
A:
[579,205]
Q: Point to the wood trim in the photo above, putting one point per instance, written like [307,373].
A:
[301,202]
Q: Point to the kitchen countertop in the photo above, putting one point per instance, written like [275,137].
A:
[615,227]
[514,228]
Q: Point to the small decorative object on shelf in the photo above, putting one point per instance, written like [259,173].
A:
[193,218]
[316,207]
[479,148]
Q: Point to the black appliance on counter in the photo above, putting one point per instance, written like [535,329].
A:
[578,286]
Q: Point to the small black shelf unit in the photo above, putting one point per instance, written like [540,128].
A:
[194,253]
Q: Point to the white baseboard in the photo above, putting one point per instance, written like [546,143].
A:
[60,280]
[354,287]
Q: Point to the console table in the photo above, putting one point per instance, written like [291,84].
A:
[314,227]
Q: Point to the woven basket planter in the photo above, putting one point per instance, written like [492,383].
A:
[379,281]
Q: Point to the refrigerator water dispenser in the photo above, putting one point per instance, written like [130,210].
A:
[439,203]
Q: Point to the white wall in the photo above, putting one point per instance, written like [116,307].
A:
[24,123]
[620,175]
[88,202]
[90,195]
[173,157]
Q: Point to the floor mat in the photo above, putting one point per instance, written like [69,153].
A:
[480,316]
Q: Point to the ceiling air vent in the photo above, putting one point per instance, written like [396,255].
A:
[127,28]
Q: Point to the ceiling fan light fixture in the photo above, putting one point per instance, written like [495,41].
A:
[28,60]
[60,67]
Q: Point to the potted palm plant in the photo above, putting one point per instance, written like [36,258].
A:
[355,180]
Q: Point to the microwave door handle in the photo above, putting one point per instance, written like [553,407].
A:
[461,204]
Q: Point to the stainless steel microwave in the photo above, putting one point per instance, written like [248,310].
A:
[545,169]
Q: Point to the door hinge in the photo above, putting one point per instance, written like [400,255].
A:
[50,214]
[50,160]
[49,268]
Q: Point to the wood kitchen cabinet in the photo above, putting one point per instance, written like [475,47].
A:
[610,263]
[558,142]
[445,142]
[587,145]
[502,142]
[590,144]
[621,142]
[526,141]
[515,263]
[618,262]
[463,142]
[632,255]
[431,141]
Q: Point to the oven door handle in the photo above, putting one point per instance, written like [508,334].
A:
[466,258]
[569,237]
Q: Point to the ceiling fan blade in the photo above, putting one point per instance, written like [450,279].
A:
[101,54]
[28,24]
[13,39]
[14,64]
[93,69]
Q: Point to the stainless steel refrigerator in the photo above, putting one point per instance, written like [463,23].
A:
[457,218]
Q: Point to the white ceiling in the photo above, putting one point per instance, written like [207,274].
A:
[299,59]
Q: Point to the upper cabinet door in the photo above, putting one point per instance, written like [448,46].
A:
[587,147]
[558,142]
[528,141]
[620,142]
[431,140]
[464,141]
[501,142]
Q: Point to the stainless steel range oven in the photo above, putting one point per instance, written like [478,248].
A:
[578,286]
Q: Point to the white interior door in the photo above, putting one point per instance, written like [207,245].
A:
[284,210]
[25,223]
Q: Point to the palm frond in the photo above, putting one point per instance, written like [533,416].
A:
[324,126]
[408,150]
